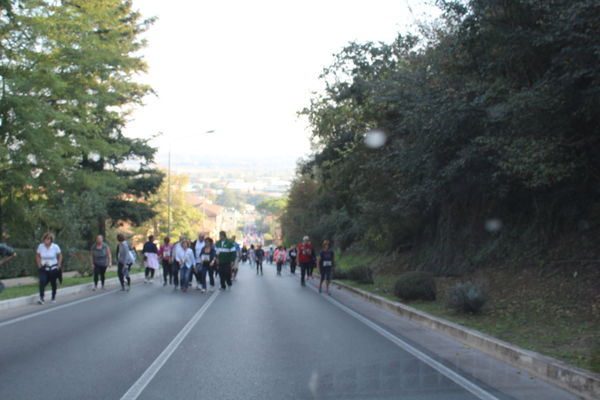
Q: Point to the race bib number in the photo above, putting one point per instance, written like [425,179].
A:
[167,253]
[205,257]
[327,263]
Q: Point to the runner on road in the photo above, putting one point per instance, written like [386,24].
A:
[124,261]
[7,253]
[238,256]
[271,254]
[252,255]
[226,255]
[197,246]
[259,256]
[280,257]
[305,259]
[188,262]
[326,264]
[208,259]
[48,259]
[178,258]
[150,252]
[292,255]
[100,259]
[165,253]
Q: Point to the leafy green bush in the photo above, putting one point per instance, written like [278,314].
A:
[339,273]
[466,297]
[360,274]
[415,285]
[24,263]
[81,263]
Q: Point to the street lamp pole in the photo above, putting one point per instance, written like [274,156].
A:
[169,194]
[169,190]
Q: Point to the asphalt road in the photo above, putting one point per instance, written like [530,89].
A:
[267,338]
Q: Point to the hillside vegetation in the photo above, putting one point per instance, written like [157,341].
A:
[492,133]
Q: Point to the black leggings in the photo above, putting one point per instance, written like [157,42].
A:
[99,271]
[167,273]
[45,277]
[175,271]
[149,273]
[225,275]
[293,265]
[258,264]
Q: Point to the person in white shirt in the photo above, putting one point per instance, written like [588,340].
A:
[189,261]
[48,259]
[178,255]
[197,269]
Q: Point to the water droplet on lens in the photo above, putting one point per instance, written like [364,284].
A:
[313,383]
[493,225]
[375,138]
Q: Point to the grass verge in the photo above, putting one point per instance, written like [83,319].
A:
[28,290]
[548,316]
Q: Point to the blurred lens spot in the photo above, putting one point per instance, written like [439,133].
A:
[313,382]
[375,138]
[583,225]
[493,225]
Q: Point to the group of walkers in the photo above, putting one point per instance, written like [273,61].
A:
[181,262]
[303,255]
[185,260]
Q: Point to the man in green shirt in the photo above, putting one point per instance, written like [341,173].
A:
[226,254]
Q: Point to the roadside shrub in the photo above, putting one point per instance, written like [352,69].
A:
[339,273]
[595,361]
[466,297]
[24,263]
[80,263]
[360,274]
[415,285]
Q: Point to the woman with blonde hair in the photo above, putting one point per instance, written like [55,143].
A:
[48,259]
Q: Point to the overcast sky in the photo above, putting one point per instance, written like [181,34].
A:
[245,68]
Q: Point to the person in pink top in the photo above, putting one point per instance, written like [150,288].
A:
[280,257]
[165,253]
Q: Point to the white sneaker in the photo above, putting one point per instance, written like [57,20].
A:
[40,301]
[151,280]
[53,301]
[203,290]
[198,287]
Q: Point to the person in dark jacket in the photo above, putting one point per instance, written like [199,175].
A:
[150,252]
[259,255]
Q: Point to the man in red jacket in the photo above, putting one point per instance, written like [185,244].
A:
[306,255]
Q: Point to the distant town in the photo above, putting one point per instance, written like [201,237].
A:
[227,194]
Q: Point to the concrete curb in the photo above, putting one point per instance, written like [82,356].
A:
[576,380]
[86,287]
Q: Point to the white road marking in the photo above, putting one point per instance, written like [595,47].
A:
[54,308]
[441,368]
[138,387]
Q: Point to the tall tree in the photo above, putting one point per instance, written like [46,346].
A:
[68,71]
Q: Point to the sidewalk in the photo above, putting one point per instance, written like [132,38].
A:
[29,280]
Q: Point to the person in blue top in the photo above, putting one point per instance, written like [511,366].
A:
[325,261]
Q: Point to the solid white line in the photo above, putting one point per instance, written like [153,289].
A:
[54,308]
[441,368]
[138,387]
